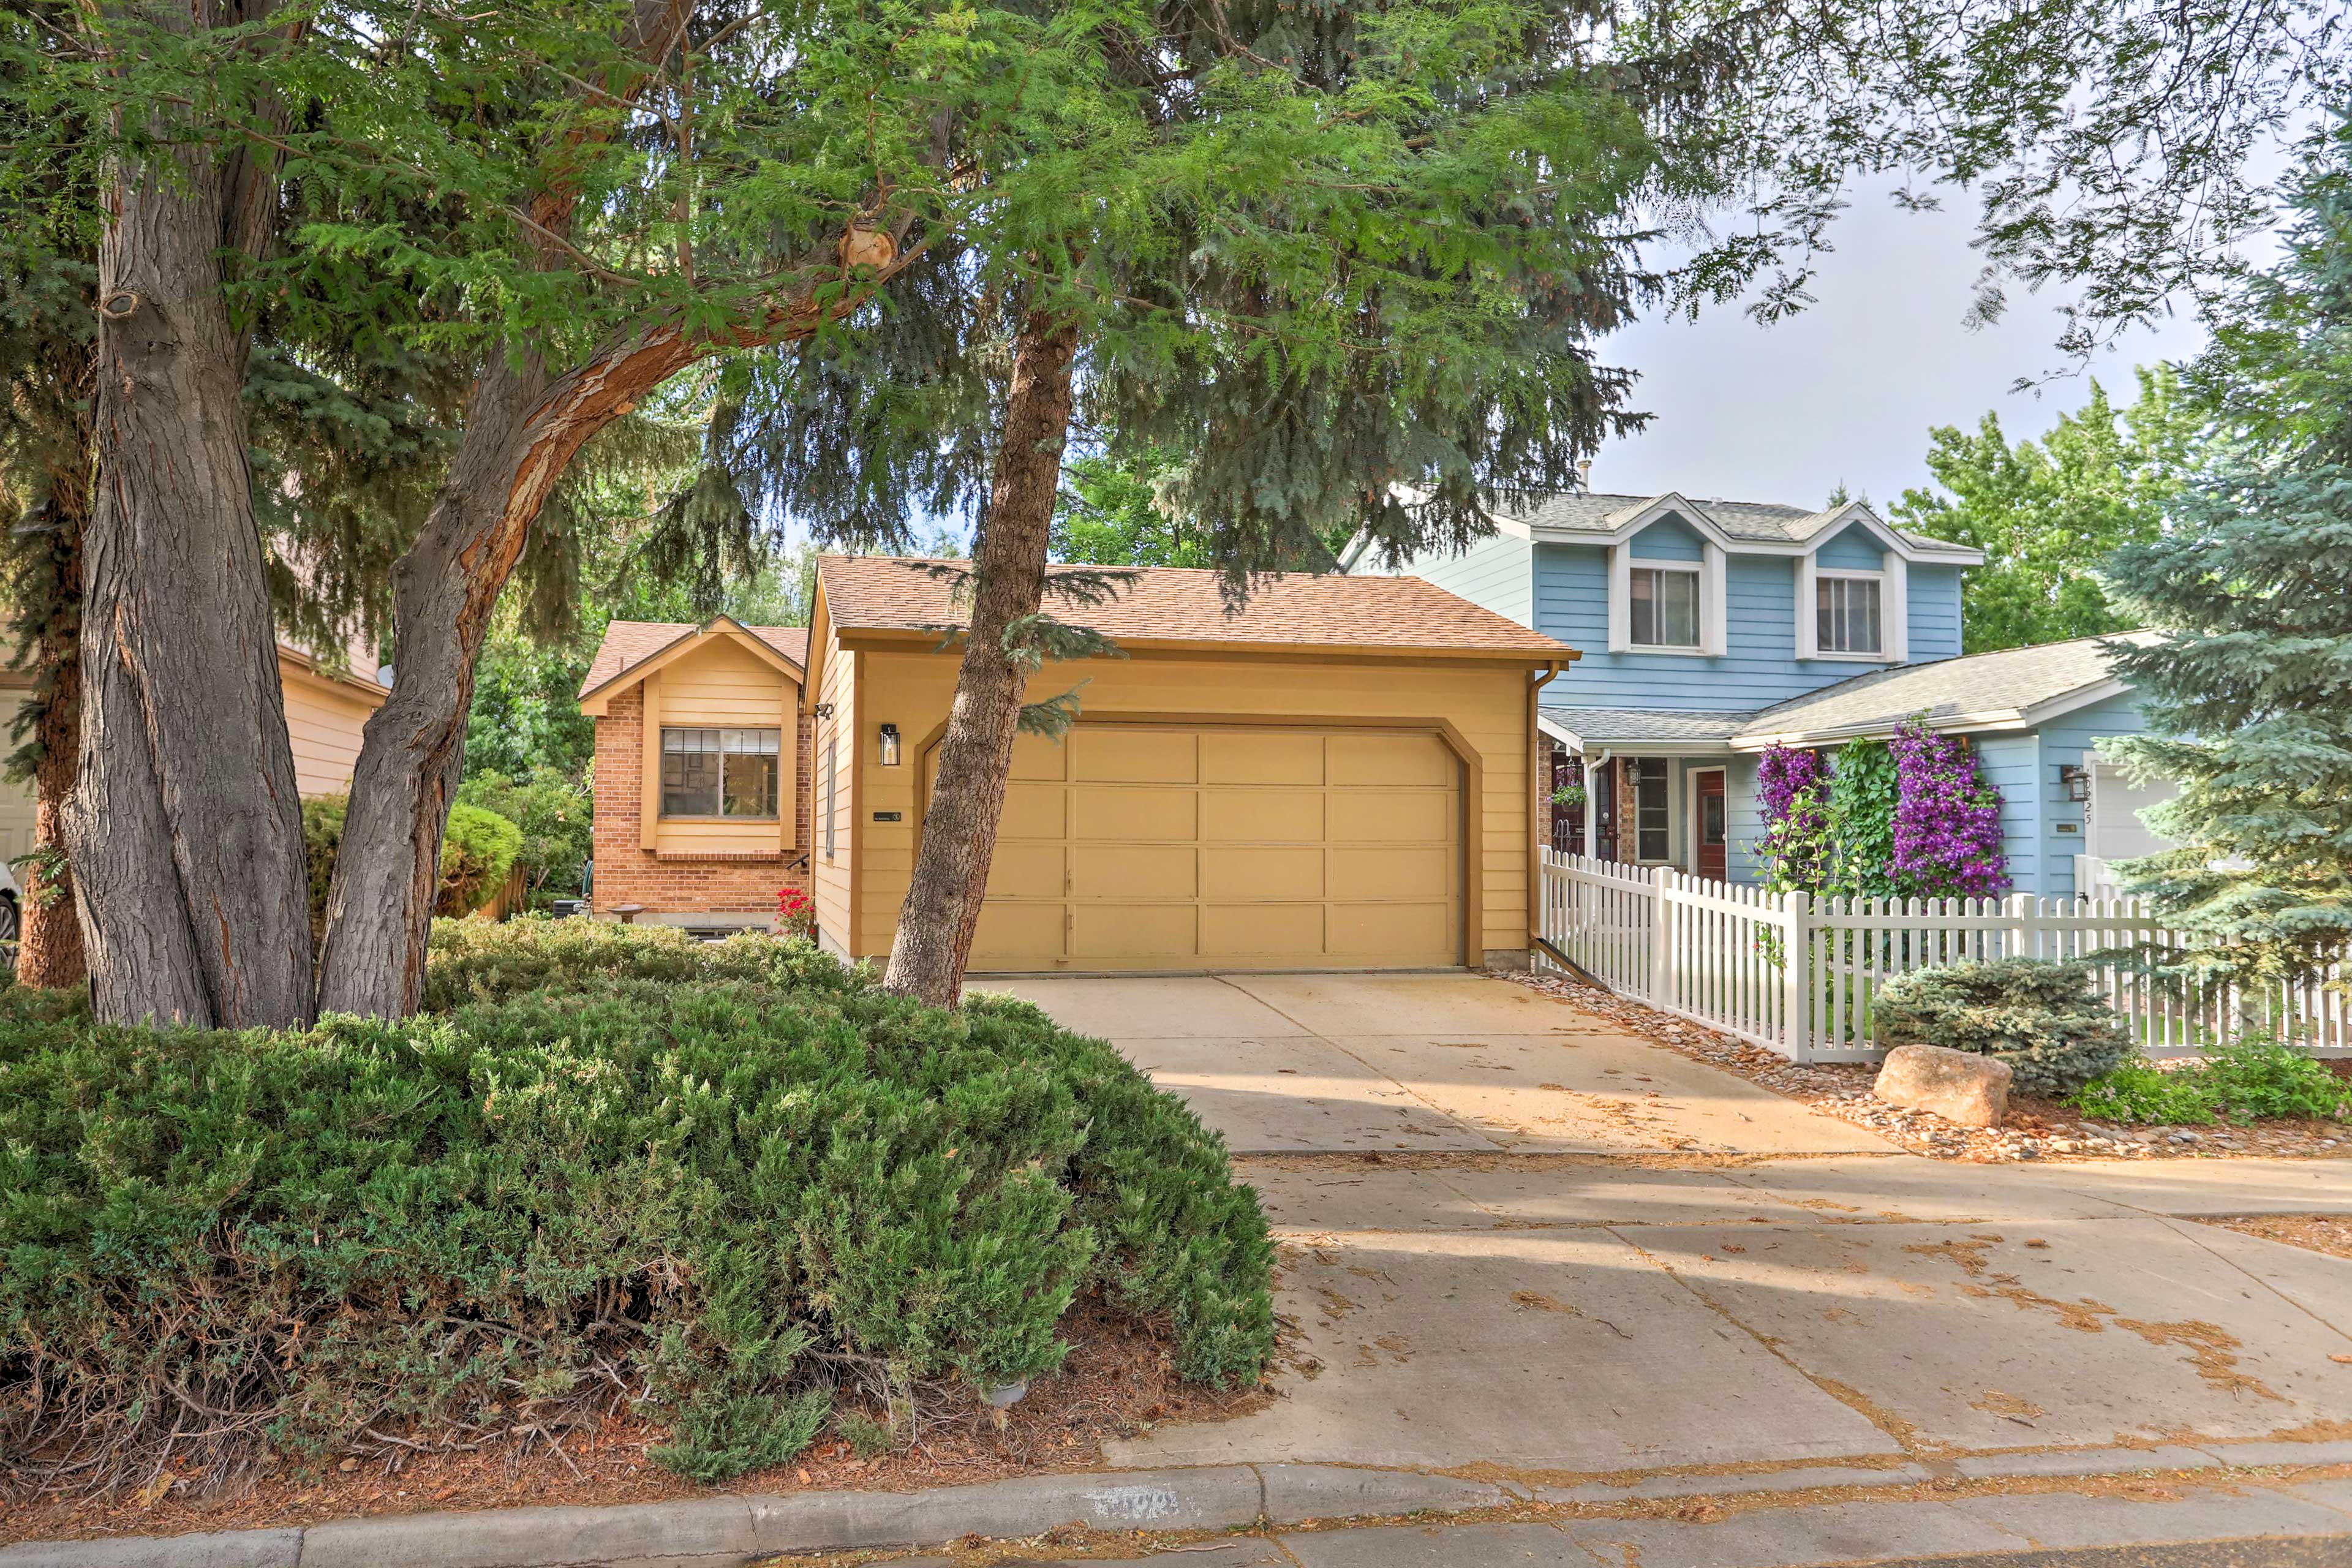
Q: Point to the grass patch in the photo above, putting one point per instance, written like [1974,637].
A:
[608,1168]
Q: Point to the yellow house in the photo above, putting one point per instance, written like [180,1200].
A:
[1338,774]
[326,711]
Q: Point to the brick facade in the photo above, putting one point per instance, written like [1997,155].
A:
[674,885]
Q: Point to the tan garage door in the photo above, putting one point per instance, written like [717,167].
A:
[1159,847]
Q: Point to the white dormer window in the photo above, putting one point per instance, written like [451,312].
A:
[1665,600]
[1848,613]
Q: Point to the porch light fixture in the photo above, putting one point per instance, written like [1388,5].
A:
[2078,780]
[889,745]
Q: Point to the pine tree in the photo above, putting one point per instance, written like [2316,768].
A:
[2249,684]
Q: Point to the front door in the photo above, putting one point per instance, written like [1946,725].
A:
[1709,785]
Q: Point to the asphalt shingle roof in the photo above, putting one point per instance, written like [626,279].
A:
[2011,680]
[633,642]
[1170,604]
[1583,513]
[1633,726]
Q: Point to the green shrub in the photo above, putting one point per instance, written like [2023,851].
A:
[2254,1080]
[613,1169]
[2043,1018]
[476,853]
[554,813]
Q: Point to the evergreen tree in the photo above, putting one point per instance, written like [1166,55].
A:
[2247,683]
[2048,513]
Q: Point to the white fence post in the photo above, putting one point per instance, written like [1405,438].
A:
[1662,990]
[1796,976]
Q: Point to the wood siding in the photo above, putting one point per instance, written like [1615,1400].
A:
[324,719]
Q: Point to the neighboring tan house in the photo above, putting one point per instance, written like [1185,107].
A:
[701,767]
[1722,627]
[326,710]
[1338,774]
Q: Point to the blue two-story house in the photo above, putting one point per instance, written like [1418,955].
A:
[1714,629]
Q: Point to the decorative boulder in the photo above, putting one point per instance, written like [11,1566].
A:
[1958,1086]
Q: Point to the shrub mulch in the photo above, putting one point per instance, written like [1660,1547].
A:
[1118,1381]
[2036,1129]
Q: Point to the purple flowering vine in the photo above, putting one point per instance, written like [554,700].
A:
[1792,791]
[1947,819]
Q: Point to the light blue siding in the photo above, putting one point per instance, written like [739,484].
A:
[1857,550]
[1497,573]
[1668,538]
[2071,739]
[1935,631]
[2012,764]
[1571,603]
[1743,820]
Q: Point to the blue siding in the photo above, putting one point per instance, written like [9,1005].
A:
[1668,538]
[1497,573]
[2012,764]
[1934,613]
[1743,821]
[1571,603]
[1857,550]
[2072,739]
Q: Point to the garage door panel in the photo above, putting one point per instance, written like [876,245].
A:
[1019,935]
[1039,757]
[1135,871]
[1165,933]
[1034,811]
[1391,816]
[1169,848]
[1394,933]
[1282,872]
[1390,759]
[1021,871]
[1262,815]
[1237,933]
[1135,757]
[1261,757]
[1364,874]
[1127,814]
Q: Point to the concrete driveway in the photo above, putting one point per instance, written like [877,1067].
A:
[1290,1064]
[1518,1243]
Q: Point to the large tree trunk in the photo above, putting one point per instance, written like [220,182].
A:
[49,951]
[942,908]
[184,829]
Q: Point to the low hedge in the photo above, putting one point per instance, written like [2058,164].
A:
[609,1169]
[2040,1017]
[2244,1083]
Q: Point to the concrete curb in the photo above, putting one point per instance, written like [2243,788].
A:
[730,1531]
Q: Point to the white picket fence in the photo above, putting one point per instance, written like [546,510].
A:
[1796,974]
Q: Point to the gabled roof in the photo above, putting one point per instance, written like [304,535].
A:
[2015,689]
[1652,730]
[1736,524]
[633,650]
[1168,605]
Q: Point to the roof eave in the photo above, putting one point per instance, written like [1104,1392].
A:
[901,638]
[596,699]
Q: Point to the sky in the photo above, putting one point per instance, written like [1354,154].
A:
[1847,390]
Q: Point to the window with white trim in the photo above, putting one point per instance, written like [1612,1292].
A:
[1848,614]
[1665,608]
[719,772]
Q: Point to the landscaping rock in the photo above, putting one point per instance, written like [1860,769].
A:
[1958,1086]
